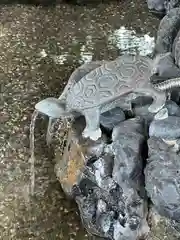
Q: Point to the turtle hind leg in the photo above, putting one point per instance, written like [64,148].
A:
[159,98]
[92,129]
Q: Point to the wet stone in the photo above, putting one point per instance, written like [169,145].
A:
[107,192]
[173,108]
[140,108]
[162,179]
[130,127]
[70,167]
[127,150]
[168,128]
[111,118]
[175,95]
[167,31]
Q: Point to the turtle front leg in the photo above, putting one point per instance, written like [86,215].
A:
[92,129]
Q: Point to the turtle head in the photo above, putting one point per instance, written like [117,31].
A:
[52,107]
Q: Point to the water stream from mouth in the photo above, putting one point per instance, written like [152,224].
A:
[32,155]
[50,131]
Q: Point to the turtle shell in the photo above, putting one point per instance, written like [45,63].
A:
[109,81]
[79,73]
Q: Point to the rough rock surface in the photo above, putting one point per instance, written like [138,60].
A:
[107,181]
[140,108]
[167,31]
[162,178]
[75,155]
[173,108]
[162,7]
[168,128]
[111,118]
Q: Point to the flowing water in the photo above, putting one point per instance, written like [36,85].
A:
[50,131]
[40,47]
[32,157]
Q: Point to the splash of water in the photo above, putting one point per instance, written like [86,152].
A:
[32,157]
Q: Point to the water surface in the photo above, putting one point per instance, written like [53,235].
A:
[39,48]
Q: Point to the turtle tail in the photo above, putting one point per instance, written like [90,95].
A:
[167,84]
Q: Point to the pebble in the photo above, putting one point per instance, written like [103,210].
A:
[173,108]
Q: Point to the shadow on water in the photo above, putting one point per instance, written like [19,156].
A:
[40,47]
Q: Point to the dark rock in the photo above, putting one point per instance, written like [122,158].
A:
[167,31]
[176,49]
[128,128]
[155,143]
[162,179]
[101,170]
[165,67]
[69,168]
[173,108]
[111,118]
[175,95]
[161,7]
[128,141]
[156,5]
[87,209]
[168,128]
[140,108]
[107,193]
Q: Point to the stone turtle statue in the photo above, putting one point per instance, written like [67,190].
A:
[101,89]
[76,76]
[79,73]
